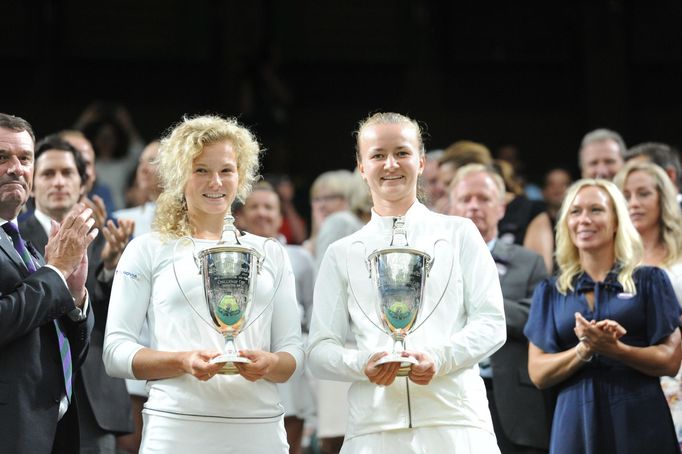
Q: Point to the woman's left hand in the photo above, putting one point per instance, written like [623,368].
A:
[262,363]
[422,373]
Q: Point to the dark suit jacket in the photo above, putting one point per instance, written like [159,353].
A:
[107,397]
[519,403]
[31,376]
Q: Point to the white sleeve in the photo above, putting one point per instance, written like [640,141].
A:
[286,321]
[130,298]
[327,356]
[485,331]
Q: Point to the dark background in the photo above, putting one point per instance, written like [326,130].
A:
[537,74]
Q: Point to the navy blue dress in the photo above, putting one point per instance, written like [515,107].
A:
[606,406]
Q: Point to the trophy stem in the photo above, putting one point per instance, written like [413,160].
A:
[230,347]
[230,356]
[398,344]
[397,355]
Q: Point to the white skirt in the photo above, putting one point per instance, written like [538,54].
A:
[171,435]
[426,440]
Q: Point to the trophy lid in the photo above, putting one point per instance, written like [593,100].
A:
[230,233]
[399,236]
[399,242]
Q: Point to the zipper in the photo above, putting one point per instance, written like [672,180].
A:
[409,406]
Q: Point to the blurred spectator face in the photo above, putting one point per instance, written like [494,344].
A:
[434,189]
[84,146]
[600,159]
[557,182]
[326,202]
[261,213]
[56,184]
[106,141]
[446,173]
[510,154]
[147,178]
[641,193]
[476,197]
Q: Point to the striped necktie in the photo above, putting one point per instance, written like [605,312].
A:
[64,347]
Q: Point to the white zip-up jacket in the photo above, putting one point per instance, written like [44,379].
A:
[145,288]
[466,327]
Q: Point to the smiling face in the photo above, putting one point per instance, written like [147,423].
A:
[643,199]
[601,159]
[16,171]
[261,213]
[390,161]
[212,186]
[591,221]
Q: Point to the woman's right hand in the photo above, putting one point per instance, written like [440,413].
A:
[382,374]
[197,363]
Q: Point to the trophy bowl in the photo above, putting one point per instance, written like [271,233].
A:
[229,277]
[398,276]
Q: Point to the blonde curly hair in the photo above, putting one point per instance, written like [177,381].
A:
[177,152]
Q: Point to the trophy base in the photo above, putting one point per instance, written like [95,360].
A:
[229,368]
[406,362]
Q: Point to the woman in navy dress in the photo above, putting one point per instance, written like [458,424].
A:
[603,330]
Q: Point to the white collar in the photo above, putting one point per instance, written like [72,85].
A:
[44,220]
[415,213]
[5,221]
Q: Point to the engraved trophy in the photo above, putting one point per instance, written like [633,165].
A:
[398,274]
[229,271]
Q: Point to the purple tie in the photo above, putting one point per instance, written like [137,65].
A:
[64,348]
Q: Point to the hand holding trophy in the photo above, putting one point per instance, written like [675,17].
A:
[398,275]
[229,271]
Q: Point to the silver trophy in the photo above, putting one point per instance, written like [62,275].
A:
[229,271]
[398,274]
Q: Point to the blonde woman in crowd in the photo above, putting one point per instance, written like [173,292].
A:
[328,194]
[441,403]
[603,331]
[205,163]
[652,203]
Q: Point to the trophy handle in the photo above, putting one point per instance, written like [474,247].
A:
[428,267]
[350,284]
[259,267]
[177,281]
